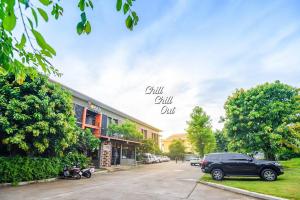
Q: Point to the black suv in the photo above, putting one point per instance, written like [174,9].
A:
[237,164]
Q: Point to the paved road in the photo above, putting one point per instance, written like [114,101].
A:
[167,181]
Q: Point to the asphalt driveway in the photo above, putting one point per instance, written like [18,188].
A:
[156,181]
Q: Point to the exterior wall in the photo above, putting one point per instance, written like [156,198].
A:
[151,133]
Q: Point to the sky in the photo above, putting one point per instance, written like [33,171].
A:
[200,51]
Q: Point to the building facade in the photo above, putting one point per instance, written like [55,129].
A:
[96,116]
[181,136]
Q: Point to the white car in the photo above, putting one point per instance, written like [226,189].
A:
[195,161]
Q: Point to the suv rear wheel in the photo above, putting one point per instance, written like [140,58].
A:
[217,174]
[269,175]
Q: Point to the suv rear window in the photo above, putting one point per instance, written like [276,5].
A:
[212,157]
[233,156]
[225,156]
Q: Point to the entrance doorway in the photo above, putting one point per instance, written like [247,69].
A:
[116,155]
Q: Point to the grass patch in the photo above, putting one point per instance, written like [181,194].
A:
[286,186]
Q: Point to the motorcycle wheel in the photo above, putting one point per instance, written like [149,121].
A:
[78,176]
[87,174]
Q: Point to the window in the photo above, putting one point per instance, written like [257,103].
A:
[116,121]
[144,132]
[90,117]
[241,157]
[109,120]
[78,113]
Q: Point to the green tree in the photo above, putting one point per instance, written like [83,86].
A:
[177,149]
[221,141]
[200,132]
[259,119]
[24,55]
[36,118]
[149,146]
[86,142]
[126,130]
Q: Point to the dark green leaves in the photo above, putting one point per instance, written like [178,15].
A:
[83,17]
[9,22]
[22,43]
[43,14]
[57,11]
[125,8]
[119,5]
[80,28]
[129,22]
[46,2]
[34,16]
[81,5]
[132,18]
[84,26]
[42,43]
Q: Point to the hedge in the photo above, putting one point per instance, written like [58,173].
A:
[17,169]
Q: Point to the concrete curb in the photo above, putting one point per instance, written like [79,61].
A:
[241,191]
[100,172]
[29,182]
[43,180]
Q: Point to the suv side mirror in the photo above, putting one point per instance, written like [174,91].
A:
[250,159]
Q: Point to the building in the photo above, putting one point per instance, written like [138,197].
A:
[181,136]
[95,115]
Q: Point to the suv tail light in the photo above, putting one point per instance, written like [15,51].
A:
[204,162]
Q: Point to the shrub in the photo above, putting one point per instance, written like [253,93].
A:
[16,169]
[75,158]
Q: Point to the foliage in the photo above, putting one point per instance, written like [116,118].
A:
[127,130]
[16,169]
[200,132]
[36,118]
[286,186]
[86,141]
[74,158]
[221,141]
[177,149]
[259,119]
[150,146]
[23,56]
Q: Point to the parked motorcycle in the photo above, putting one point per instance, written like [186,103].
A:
[73,172]
[87,172]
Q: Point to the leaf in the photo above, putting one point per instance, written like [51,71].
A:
[119,5]
[9,22]
[30,23]
[34,16]
[46,2]
[22,43]
[43,14]
[129,2]
[91,4]
[81,5]
[41,42]
[88,27]
[135,17]
[125,8]
[80,28]
[83,17]
[129,23]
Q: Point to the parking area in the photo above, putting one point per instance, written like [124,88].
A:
[166,180]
